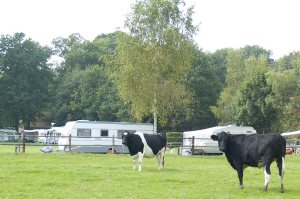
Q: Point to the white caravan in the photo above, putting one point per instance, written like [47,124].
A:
[203,144]
[8,135]
[96,136]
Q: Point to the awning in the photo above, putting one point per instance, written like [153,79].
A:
[291,133]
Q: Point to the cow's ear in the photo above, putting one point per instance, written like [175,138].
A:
[125,133]
[214,137]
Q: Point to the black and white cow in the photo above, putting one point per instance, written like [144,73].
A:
[145,145]
[253,150]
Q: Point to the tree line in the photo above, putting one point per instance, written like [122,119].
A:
[153,73]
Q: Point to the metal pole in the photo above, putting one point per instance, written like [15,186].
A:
[70,144]
[113,144]
[193,145]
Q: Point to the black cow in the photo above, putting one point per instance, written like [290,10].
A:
[145,145]
[253,150]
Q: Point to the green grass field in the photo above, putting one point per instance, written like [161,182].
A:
[66,175]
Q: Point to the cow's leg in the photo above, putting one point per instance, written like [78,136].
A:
[281,167]
[160,158]
[134,159]
[240,172]
[140,156]
[134,165]
[163,153]
[267,172]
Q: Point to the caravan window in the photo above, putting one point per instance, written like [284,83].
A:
[84,132]
[122,131]
[104,133]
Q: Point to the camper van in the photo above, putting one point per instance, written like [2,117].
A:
[203,144]
[97,136]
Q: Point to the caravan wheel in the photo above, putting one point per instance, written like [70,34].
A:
[110,151]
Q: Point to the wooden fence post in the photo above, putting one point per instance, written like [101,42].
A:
[193,145]
[70,144]
[23,141]
[16,149]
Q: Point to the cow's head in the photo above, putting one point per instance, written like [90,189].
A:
[125,136]
[223,140]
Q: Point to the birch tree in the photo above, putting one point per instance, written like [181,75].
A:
[154,57]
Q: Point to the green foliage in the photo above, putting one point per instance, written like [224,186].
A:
[61,90]
[256,51]
[260,92]
[25,78]
[219,62]
[63,46]
[82,88]
[227,109]
[245,99]
[175,139]
[205,86]
[286,92]
[254,109]
[288,62]
[156,69]
[97,98]
[154,58]
[158,22]
[291,115]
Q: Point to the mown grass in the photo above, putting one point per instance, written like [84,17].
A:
[66,175]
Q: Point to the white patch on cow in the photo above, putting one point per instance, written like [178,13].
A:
[125,133]
[140,161]
[283,165]
[267,177]
[134,159]
[137,158]
[282,171]
[148,153]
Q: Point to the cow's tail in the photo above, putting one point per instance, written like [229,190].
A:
[283,154]
[281,172]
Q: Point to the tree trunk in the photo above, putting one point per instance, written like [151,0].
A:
[155,115]
[155,123]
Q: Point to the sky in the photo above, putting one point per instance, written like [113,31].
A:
[270,24]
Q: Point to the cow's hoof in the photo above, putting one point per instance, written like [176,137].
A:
[265,189]
[281,188]
[241,187]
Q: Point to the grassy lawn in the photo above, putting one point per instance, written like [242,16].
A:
[66,175]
